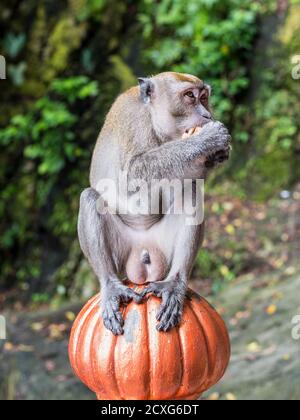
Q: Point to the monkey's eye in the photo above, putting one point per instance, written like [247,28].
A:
[190,94]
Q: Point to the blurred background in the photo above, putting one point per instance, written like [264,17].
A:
[65,63]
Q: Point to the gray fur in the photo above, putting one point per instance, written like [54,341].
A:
[144,137]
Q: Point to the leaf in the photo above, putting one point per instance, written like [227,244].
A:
[231,397]
[70,316]
[50,366]
[17,73]
[214,397]
[230,229]
[37,326]
[224,270]
[25,349]
[14,43]
[56,331]
[290,271]
[254,347]
[271,310]
[8,346]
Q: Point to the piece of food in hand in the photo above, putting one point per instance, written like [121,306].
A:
[191,132]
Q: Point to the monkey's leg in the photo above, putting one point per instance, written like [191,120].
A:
[173,289]
[104,246]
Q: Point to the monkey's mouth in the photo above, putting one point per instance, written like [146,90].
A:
[191,132]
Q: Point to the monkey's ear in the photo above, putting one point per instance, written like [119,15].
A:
[209,89]
[146,89]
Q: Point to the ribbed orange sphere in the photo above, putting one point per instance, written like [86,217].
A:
[144,364]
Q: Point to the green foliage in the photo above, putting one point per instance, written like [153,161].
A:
[215,39]
[274,162]
[13,44]
[38,298]
[44,141]
[47,131]
[50,114]
[92,9]
[213,265]
[209,38]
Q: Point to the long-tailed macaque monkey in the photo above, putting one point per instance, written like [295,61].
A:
[161,129]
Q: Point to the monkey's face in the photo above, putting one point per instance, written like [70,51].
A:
[177,102]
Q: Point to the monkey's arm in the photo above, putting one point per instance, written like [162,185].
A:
[183,158]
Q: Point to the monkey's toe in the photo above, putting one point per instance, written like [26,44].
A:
[129,294]
[114,324]
[172,293]
[112,318]
[170,313]
[154,288]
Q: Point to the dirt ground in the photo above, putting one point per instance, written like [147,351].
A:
[265,361]
[258,306]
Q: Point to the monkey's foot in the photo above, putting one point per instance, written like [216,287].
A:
[172,293]
[112,299]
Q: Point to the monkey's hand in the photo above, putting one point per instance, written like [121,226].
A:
[215,143]
[217,158]
[113,295]
[172,292]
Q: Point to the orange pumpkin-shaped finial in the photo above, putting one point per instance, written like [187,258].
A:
[144,364]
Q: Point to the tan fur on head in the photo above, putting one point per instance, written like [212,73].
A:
[188,78]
